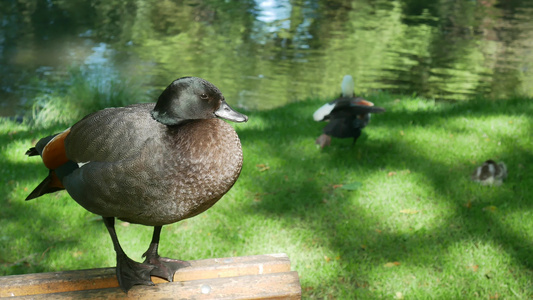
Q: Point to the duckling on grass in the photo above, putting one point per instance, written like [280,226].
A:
[490,173]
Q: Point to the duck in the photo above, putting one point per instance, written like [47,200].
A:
[490,173]
[152,164]
[346,115]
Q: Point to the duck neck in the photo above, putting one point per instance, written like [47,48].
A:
[165,119]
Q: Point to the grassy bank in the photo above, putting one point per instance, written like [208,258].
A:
[395,216]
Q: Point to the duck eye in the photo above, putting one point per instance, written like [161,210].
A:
[203,96]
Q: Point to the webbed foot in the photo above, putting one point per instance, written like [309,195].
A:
[130,273]
[163,267]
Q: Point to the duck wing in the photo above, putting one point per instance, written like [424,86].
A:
[111,134]
[346,106]
[141,171]
[115,161]
[355,106]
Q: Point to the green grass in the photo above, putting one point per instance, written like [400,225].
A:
[415,227]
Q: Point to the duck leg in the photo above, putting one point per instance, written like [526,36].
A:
[164,267]
[129,272]
[323,140]
[356,135]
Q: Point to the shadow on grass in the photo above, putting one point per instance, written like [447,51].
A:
[310,198]
[32,230]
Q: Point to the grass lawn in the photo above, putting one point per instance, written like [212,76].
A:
[395,216]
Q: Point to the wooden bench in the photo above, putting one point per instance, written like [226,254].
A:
[247,277]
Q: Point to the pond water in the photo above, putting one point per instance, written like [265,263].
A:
[263,54]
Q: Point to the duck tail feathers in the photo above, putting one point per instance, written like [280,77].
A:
[48,185]
[39,147]
[32,152]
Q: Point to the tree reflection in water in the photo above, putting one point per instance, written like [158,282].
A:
[263,54]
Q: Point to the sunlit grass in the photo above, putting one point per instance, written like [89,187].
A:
[415,227]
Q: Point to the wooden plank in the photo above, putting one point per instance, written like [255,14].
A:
[266,286]
[55,282]
[233,266]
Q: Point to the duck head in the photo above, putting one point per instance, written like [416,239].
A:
[193,98]
[347,86]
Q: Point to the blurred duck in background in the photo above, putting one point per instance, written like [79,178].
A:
[490,173]
[346,116]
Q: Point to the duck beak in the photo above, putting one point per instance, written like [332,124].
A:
[226,112]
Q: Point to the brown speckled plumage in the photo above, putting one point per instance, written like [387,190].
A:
[159,175]
[151,164]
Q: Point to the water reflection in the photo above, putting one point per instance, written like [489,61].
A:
[263,54]
[271,10]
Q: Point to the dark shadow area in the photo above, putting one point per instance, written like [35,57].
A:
[34,230]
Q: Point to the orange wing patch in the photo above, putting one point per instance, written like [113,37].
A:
[365,102]
[55,182]
[54,154]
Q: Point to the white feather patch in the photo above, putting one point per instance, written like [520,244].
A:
[323,111]
[81,164]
